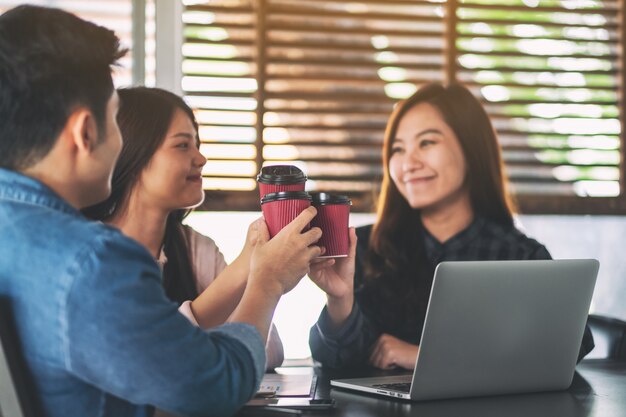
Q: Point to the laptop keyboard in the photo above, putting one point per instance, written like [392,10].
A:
[398,386]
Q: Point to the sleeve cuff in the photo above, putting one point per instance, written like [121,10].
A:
[185,310]
[346,334]
[248,336]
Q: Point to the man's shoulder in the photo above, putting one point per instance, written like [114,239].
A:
[94,234]
[103,261]
[63,237]
[109,245]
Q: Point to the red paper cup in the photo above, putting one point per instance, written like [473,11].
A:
[333,213]
[279,209]
[277,178]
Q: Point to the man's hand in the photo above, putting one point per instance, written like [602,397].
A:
[390,352]
[277,265]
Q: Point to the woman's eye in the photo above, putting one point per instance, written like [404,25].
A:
[396,150]
[183,145]
[426,142]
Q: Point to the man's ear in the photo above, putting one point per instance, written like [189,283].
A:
[82,130]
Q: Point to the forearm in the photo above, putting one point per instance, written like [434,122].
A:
[217,302]
[274,349]
[256,308]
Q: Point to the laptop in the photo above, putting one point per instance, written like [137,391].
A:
[496,327]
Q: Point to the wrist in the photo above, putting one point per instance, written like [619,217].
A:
[339,309]
[342,300]
[244,256]
[269,288]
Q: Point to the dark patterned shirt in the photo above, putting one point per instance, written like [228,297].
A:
[351,344]
[482,240]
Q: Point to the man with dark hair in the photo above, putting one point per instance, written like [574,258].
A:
[98,335]
[42,78]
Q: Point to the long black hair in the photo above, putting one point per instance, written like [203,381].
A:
[144,117]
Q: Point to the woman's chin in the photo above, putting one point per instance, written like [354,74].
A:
[190,203]
[420,203]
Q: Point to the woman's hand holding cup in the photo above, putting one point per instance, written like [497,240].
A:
[335,277]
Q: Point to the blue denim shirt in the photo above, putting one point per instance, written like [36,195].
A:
[98,334]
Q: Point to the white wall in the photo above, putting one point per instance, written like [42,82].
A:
[599,237]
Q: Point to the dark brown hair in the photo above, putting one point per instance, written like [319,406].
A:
[395,249]
[50,63]
[144,117]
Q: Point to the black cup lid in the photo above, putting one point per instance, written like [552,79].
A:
[286,195]
[321,199]
[281,174]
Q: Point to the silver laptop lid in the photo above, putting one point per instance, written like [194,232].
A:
[495,327]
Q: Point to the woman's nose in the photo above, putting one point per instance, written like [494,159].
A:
[412,159]
[199,159]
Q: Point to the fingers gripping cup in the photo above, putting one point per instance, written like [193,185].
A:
[276,178]
[333,213]
[279,209]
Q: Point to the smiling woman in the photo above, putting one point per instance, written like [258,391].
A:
[150,190]
[443,199]
[156,182]
[428,167]
[173,177]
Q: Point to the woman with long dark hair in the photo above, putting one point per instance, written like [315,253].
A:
[443,198]
[156,182]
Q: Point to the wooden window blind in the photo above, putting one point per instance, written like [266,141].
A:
[550,74]
[312,83]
